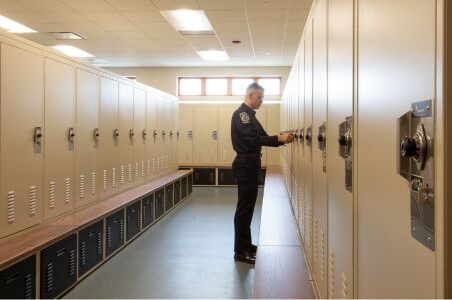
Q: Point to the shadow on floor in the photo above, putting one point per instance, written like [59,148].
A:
[188,254]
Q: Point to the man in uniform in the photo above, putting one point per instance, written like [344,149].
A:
[248,137]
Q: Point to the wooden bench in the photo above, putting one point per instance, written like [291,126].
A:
[47,261]
[281,271]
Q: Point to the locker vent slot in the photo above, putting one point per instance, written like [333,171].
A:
[99,244]
[28,286]
[93,183]
[11,213]
[113,177]
[33,202]
[121,179]
[104,180]
[142,168]
[344,286]
[153,165]
[72,262]
[331,275]
[130,172]
[49,277]
[149,167]
[322,255]
[67,190]
[83,253]
[136,170]
[82,186]
[108,236]
[52,194]
[158,163]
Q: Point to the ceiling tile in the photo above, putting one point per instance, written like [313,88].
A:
[118,26]
[89,5]
[175,4]
[230,25]
[102,16]
[155,26]
[12,6]
[226,16]
[44,5]
[266,15]
[266,4]
[299,14]
[208,42]
[296,25]
[131,35]
[144,16]
[83,27]
[221,4]
[231,35]
[98,35]
[132,5]
[300,4]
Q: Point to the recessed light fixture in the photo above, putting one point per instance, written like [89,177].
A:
[213,55]
[13,26]
[72,51]
[187,20]
[66,36]
[236,42]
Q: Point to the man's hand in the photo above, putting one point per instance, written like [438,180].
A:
[285,138]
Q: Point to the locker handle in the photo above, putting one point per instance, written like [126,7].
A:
[131,133]
[96,134]
[144,134]
[71,135]
[154,134]
[60,252]
[116,220]
[92,233]
[12,278]
[37,135]
[171,133]
[163,133]
[116,133]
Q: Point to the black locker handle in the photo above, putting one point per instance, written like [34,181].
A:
[61,252]
[92,233]
[115,220]
[12,278]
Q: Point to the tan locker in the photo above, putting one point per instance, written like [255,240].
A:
[340,106]
[319,166]
[205,135]
[396,68]
[139,136]
[308,195]
[87,131]
[186,134]
[59,126]
[226,153]
[261,115]
[151,128]
[301,141]
[273,124]
[108,140]
[21,157]
[167,155]
[176,131]
[294,146]
[125,139]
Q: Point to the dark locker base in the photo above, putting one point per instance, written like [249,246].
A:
[91,247]
[212,176]
[18,281]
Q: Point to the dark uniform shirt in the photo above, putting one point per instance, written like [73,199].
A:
[248,135]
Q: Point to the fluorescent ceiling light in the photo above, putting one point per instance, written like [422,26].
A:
[66,36]
[14,27]
[213,55]
[72,51]
[187,20]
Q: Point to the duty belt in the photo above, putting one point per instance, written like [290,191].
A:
[250,155]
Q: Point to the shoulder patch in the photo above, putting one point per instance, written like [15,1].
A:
[244,117]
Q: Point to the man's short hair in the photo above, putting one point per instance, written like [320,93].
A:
[254,86]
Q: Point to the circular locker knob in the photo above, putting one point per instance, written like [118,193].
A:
[321,137]
[131,133]
[308,136]
[408,147]
[116,133]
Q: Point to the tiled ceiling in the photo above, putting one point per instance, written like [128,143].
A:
[129,33]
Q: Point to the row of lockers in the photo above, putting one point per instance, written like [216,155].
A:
[362,104]
[65,262]
[206,176]
[205,138]
[71,135]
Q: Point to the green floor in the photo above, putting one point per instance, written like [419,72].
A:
[188,254]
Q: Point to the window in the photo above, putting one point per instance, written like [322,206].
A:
[226,86]
[272,86]
[216,86]
[190,87]
[239,85]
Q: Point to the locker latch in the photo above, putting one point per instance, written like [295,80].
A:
[116,134]
[345,141]
[215,135]
[71,135]
[190,134]
[37,136]
[308,136]
[144,134]
[321,139]
[177,134]
[295,134]
[416,165]
[301,135]
[154,134]
[171,134]
[96,134]
[131,134]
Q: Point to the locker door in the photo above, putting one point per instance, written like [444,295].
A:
[108,142]
[151,125]
[140,135]
[273,124]
[294,114]
[176,131]
[261,115]
[396,68]
[167,157]
[300,141]
[186,135]
[340,106]
[226,153]
[319,168]
[125,140]
[308,142]
[86,147]
[21,159]
[59,147]
[205,141]
[161,136]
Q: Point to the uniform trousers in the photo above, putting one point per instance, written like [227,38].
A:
[246,170]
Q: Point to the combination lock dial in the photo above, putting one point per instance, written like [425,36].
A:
[416,147]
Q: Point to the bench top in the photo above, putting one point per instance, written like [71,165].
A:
[281,271]
[46,234]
